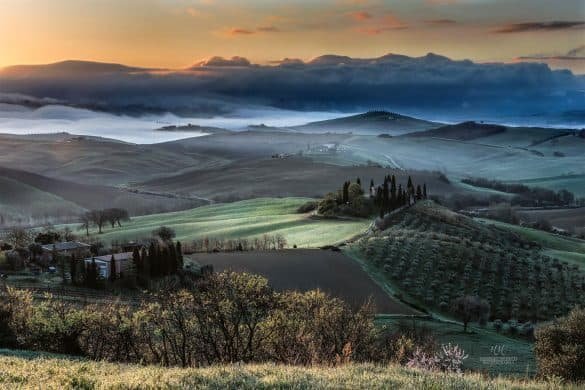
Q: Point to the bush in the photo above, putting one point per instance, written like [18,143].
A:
[223,318]
[307,207]
[560,347]
[449,359]
[498,325]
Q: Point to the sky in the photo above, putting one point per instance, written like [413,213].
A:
[178,33]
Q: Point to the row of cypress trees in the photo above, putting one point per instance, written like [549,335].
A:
[390,196]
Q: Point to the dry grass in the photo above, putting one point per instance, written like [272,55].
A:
[23,370]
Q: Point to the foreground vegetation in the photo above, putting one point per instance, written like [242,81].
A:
[30,370]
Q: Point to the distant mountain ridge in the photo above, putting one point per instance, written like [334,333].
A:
[68,68]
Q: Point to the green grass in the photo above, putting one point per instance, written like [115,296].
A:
[547,240]
[245,219]
[29,370]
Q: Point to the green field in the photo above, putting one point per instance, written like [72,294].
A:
[245,219]
[27,370]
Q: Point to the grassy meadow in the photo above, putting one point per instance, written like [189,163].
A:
[245,219]
[30,370]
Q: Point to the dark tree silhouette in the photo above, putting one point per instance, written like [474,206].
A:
[112,269]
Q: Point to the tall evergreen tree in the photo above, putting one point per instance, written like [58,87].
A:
[153,260]
[179,250]
[73,269]
[113,269]
[419,194]
[385,196]
[393,198]
[346,191]
[172,264]
[425,191]
[137,260]
[91,275]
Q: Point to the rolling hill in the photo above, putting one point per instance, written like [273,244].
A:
[432,256]
[373,123]
[28,198]
[245,219]
[465,131]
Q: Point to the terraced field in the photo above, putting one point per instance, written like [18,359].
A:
[245,219]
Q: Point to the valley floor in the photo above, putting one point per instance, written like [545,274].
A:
[24,370]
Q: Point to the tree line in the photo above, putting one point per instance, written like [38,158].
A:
[390,196]
[528,196]
[100,218]
[351,199]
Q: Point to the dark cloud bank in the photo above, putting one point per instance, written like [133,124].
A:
[431,86]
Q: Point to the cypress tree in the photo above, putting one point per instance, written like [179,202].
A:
[385,196]
[73,269]
[172,267]
[152,260]
[137,260]
[419,194]
[179,251]
[425,191]
[113,269]
[145,264]
[91,275]
[346,192]
[400,196]
[393,199]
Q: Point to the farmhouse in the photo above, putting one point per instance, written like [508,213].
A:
[65,248]
[103,263]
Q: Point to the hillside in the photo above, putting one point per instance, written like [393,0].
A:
[281,177]
[28,197]
[431,256]
[465,131]
[31,370]
[245,219]
[93,160]
[373,122]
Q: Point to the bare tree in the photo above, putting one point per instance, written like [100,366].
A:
[86,222]
[18,237]
[470,308]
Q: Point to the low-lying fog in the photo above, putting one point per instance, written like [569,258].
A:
[18,119]
[15,119]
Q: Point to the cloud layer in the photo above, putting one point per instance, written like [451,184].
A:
[220,86]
